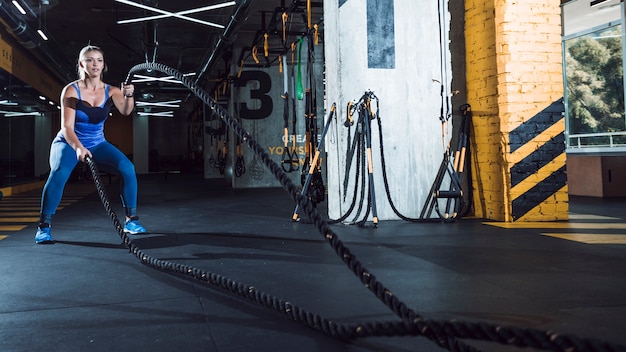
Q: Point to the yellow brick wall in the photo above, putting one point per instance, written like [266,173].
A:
[514,73]
[529,62]
[482,95]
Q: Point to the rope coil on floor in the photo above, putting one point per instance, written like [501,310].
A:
[445,334]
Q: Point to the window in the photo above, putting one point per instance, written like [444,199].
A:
[594,75]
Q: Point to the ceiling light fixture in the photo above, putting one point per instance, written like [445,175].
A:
[157,114]
[168,79]
[19,7]
[19,113]
[179,15]
[42,34]
[42,16]
[163,104]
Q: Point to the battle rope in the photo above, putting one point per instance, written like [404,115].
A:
[443,333]
[362,144]
[362,140]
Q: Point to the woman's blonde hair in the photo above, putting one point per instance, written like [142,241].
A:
[83,54]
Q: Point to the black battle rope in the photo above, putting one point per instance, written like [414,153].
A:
[443,333]
[356,144]
[368,96]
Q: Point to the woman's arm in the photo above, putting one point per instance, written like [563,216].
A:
[69,98]
[123,98]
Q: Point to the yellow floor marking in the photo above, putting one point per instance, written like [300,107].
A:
[21,210]
[557,225]
[21,200]
[14,199]
[29,205]
[19,219]
[11,228]
[591,217]
[18,213]
[590,238]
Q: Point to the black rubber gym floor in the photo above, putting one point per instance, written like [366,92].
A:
[87,292]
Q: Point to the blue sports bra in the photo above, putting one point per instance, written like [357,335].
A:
[89,121]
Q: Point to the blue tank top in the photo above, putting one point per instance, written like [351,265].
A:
[89,121]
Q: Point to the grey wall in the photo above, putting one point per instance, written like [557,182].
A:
[256,101]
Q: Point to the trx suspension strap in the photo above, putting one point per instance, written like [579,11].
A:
[240,164]
[212,133]
[289,160]
[257,170]
[313,165]
[317,190]
[349,148]
[294,111]
[445,97]
[366,108]
[299,87]
[454,195]
[223,153]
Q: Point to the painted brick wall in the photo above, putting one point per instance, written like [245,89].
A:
[515,86]
[482,94]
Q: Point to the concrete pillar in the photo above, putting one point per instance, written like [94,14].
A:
[515,87]
[141,147]
[394,49]
[43,138]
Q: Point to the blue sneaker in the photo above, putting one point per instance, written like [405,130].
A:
[133,227]
[43,235]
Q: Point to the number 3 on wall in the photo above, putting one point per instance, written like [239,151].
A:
[258,98]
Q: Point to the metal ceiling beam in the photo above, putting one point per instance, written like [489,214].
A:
[237,18]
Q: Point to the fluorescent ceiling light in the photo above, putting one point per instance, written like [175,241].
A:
[42,34]
[186,12]
[19,113]
[163,104]
[19,7]
[7,102]
[168,79]
[157,114]
[180,15]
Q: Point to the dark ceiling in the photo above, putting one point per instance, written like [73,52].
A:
[187,46]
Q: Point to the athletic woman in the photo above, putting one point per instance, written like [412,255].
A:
[85,105]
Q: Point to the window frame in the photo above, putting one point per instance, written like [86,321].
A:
[573,145]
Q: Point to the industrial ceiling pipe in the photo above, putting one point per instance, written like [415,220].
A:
[28,38]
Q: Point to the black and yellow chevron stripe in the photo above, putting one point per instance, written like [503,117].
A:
[537,164]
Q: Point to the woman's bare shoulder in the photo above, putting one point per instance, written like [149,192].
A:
[69,90]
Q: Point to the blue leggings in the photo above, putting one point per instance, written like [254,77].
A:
[107,157]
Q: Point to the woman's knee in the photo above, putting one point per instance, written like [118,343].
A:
[127,169]
[60,174]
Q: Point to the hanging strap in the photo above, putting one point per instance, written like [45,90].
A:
[299,86]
